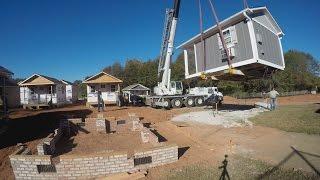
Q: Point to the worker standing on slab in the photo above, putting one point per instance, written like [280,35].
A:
[100,102]
[273,97]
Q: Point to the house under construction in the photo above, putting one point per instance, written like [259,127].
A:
[253,40]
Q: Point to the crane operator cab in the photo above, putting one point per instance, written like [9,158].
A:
[176,87]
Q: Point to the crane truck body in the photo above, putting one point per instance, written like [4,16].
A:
[169,93]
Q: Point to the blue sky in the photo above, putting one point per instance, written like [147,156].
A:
[70,39]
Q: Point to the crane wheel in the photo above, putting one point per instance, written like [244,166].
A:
[176,103]
[199,101]
[166,103]
[189,102]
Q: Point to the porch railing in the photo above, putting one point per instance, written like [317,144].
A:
[41,99]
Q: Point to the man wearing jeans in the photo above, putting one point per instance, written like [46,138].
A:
[273,97]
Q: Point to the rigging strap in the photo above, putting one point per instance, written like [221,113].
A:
[202,42]
[245,4]
[221,35]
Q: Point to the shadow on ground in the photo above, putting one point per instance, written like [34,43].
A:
[232,107]
[160,137]
[21,130]
[301,154]
[182,150]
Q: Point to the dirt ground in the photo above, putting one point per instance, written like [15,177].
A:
[82,143]
[212,141]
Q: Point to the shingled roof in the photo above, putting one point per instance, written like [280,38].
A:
[102,77]
[136,87]
[37,79]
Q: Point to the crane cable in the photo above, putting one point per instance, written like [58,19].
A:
[202,42]
[245,4]
[221,35]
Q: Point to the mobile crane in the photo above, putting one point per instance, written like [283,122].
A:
[169,93]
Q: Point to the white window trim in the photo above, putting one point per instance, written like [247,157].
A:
[232,35]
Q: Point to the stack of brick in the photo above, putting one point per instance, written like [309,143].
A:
[136,125]
[148,137]
[101,125]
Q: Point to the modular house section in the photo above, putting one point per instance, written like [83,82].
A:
[252,37]
[9,90]
[39,90]
[133,91]
[71,91]
[104,83]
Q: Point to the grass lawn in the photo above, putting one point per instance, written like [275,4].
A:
[238,168]
[292,118]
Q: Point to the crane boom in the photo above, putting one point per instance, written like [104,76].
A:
[169,93]
[166,52]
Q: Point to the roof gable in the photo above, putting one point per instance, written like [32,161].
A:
[5,72]
[37,79]
[66,82]
[263,16]
[102,77]
[136,87]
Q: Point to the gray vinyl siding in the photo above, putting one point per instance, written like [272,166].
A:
[212,52]
[263,19]
[243,49]
[269,49]
[200,57]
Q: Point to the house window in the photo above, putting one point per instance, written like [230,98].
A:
[93,89]
[103,86]
[230,37]
[113,88]
[32,90]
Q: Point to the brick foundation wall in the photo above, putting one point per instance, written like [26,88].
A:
[90,166]
[48,145]
[93,165]
[26,166]
[148,137]
[159,156]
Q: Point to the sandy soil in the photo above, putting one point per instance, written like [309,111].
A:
[199,144]
[92,142]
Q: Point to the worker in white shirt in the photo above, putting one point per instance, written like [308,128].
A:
[273,97]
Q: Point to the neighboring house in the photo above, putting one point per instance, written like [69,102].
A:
[136,89]
[135,93]
[40,91]
[9,90]
[253,40]
[71,91]
[108,85]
